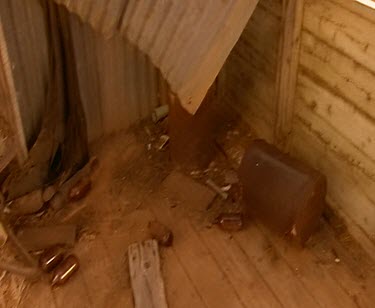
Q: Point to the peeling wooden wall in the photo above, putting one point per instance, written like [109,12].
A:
[250,73]
[334,123]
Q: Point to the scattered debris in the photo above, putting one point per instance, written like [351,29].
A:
[87,236]
[195,173]
[183,191]
[65,271]
[217,189]
[80,189]
[145,275]
[51,258]
[231,177]
[226,188]
[73,189]
[282,192]
[161,233]
[3,235]
[160,113]
[163,141]
[83,173]
[230,221]
[27,204]
[40,238]
[294,231]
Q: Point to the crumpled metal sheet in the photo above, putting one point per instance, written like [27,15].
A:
[188,41]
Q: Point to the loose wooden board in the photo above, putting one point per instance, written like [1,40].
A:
[145,275]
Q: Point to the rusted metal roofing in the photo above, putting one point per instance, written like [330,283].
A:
[188,41]
[118,84]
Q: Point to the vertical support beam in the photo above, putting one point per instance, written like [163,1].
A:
[287,70]
[9,101]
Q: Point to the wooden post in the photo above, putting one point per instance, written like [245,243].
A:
[9,102]
[287,70]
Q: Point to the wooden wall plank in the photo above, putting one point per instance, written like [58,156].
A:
[334,127]
[251,69]
[351,190]
[287,70]
[342,26]
[339,70]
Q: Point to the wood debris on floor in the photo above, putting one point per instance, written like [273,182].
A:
[147,282]
[205,266]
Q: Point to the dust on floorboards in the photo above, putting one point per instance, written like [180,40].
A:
[205,267]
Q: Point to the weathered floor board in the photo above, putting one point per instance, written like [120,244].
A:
[206,267]
[145,275]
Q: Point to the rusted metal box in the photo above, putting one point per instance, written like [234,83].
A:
[282,192]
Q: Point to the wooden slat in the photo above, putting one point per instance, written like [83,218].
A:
[288,67]
[145,275]
[174,273]
[251,70]
[334,115]
[339,71]
[355,39]
[342,177]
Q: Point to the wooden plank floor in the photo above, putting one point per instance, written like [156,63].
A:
[205,267]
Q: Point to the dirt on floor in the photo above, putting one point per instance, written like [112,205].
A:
[127,192]
[131,166]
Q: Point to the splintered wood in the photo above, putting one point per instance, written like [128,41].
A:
[145,275]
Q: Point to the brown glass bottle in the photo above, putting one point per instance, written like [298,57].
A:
[230,221]
[65,271]
[51,258]
[80,190]
[161,233]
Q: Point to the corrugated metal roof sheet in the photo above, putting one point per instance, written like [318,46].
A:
[118,84]
[188,41]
